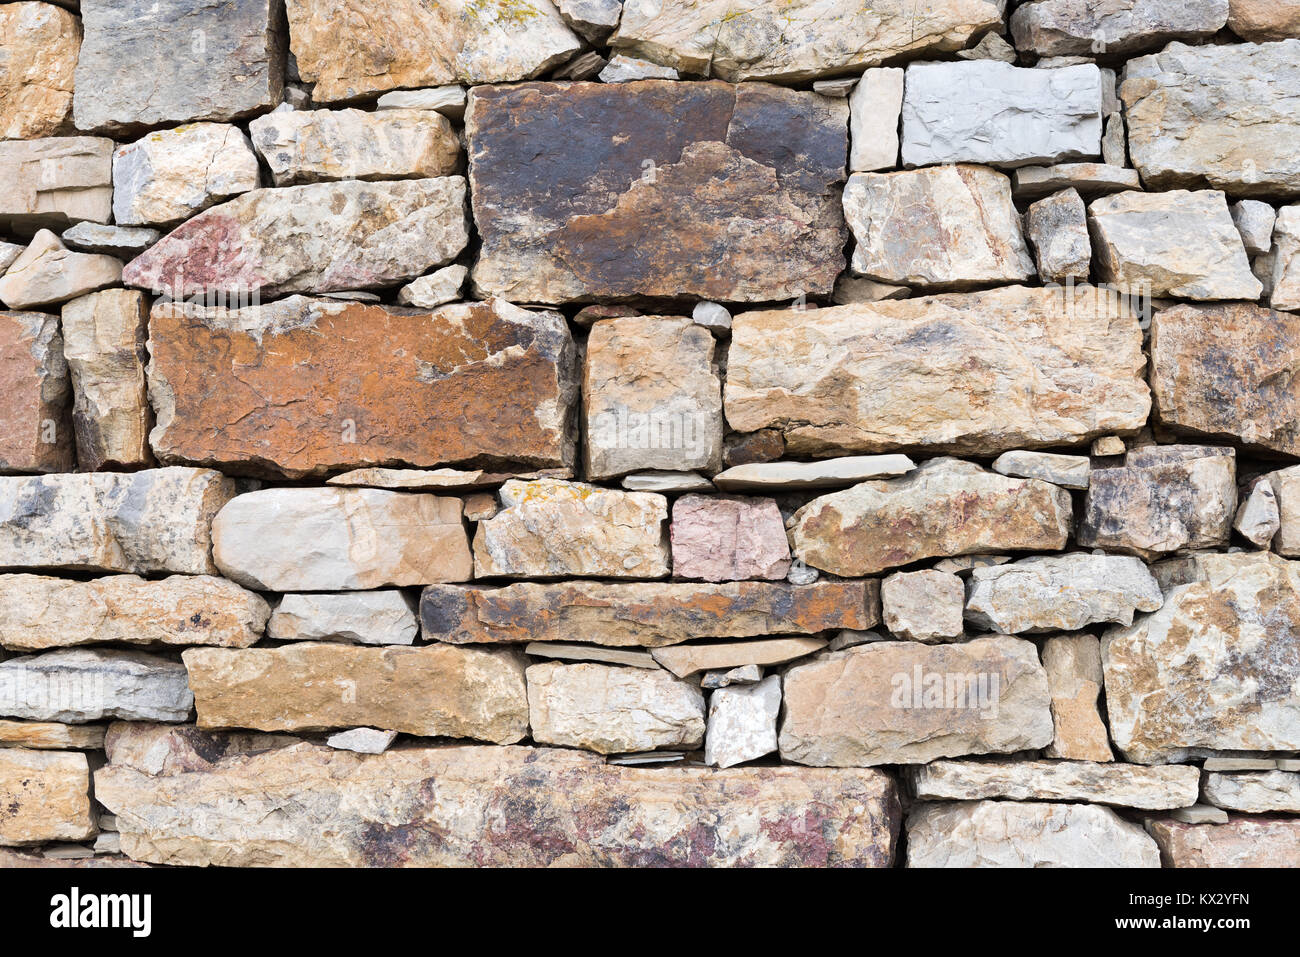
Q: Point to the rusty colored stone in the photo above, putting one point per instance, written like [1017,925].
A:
[44,796]
[35,395]
[51,736]
[750,448]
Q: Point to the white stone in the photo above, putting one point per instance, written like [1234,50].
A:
[1070,471]
[1258,518]
[622,69]
[170,175]
[1254,220]
[362,740]
[365,618]
[874,108]
[1266,792]
[712,316]
[448,100]
[78,685]
[1284,282]
[742,722]
[435,289]
[824,473]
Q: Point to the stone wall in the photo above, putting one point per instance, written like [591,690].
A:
[529,432]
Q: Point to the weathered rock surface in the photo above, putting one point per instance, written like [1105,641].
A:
[157,520]
[796,41]
[39,612]
[1121,785]
[175,748]
[104,337]
[1222,116]
[1215,668]
[942,227]
[439,287]
[45,796]
[41,44]
[1255,221]
[220,63]
[646,614]
[316,145]
[51,736]
[35,392]
[78,685]
[1284,283]
[874,108]
[689,659]
[1286,486]
[609,709]
[1012,834]
[551,528]
[827,473]
[656,188]
[981,372]
[901,702]
[1060,593]
[365,618]
[924,605]
[742,723]
[1258,793]
[1258,518]
[984,111]
[945,507]
[1179,243]
[727,538]
[583,812]
[1057,229]
[340,539]
[170,175]
[1164,498]
[362,740]
[1068,471]
[1260,20]
[302,385]
[1074,679]
[565,651]
[433,690]
[1079,28]
[56,181]
[339,49]
[123,242]
[322,237]
[1242,842]
[47,273]
[1087,179]
[651,397]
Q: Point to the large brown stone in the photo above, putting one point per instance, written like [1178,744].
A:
[51,736]
[1074,676]
[301,386]
[1260,20]
[946,507]
[588,191]
[35,395]
[44,796]
[40,43]
[1243,842]
[493,806]
[1228,372]
[433,690]
[982,372]
[647,614]
[902,702]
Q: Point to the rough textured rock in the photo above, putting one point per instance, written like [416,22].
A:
[39,612]
[1181,244]
[1284,282]
[1226,372]
[595,20]
[1215,668]
[651,397]
[153,521]
[316,145]
[1222,116]
[1258,793]
[322,237]
[41,44]
[1074,678]
[1060,593]
[365,618]
[924,605]
[449,100]
[302,385]
[170,175]
[942,227]
[874,108]
[123,242]
[439,287]
[1258,519]
[742,723]
[51,736]
[1255,221]
[1068,471]
[220,62]
[1011,834]
[727,538]
[78,685]
[332,539]
[104,337]
[945,507]
[1260,20]
[1286,486]
[981,372]
[584,812]
[362,740]
[984,111]
[564,651]
[900,702]
[338,47]
[1121,785]
[175,748]
[1087,179]
[1089,27]
[550,528]
[656,188]
[827,473]
[56,181]
[794,41]
[34,395]
[433,690]
[690,659]
[47,273]
[1163,499]
[609,709]
[1057,229]
[1242,842]
[625,69]
[646,614]
[45,796]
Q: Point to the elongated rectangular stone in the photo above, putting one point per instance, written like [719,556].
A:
[79,685]
[647,614]
[55,181]
[493,806]
[1121,785]
[301,386]
[981,372]
[44,796]
[51,736]
[1248,841]
[35,395]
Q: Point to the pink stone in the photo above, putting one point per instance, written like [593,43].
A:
[728,538]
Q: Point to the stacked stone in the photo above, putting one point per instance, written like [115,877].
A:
[584,432]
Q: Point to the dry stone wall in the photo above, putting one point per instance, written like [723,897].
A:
[573,432]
